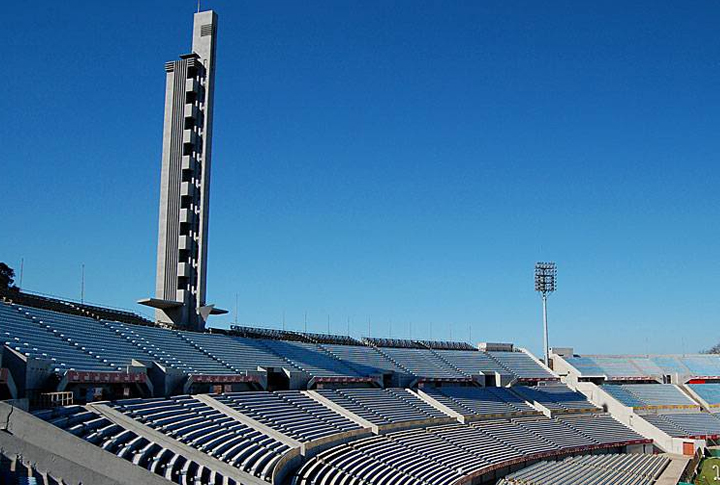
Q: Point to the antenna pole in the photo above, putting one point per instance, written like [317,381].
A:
[82,283]
[198,6]
[22,270]
[306,322]
[283,320]
[236,308]
[328,324]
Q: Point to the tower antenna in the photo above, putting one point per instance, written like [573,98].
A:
[82,283]
[198,6]
[236,308]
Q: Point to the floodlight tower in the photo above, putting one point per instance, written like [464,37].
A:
[545,283]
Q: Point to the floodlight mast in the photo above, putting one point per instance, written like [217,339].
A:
[545,284]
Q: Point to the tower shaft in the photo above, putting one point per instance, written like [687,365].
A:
[185,182]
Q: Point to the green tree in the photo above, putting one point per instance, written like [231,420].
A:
[7,277]
[715,349]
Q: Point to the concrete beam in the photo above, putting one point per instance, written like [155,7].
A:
[238,416]
[60,454]
[341,410]
[440,406]
[674,471]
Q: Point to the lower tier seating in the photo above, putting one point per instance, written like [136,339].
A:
[634,469]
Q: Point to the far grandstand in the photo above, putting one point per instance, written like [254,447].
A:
[253,405]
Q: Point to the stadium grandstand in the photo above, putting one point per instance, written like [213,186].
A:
[254,405]
[92,395]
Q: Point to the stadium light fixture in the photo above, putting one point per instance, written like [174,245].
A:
[545,284]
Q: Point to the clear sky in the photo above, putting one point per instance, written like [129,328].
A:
[406,162]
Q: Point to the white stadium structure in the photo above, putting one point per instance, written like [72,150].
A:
[95,396]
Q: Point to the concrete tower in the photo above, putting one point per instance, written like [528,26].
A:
[185,183]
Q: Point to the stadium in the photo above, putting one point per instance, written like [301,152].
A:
[95,395]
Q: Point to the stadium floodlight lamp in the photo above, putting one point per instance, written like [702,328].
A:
[545,283]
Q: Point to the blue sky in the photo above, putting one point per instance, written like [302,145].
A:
[406,162]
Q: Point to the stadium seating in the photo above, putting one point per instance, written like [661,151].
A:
[363,358]
[239,353]
[624,396]
[702,365]
[422,363]
[92,336]
[442,454]
[480,401]
[310,358]
[710,393]
[649,395]
[127,445]
[471,362]
[289,412]
[556,397]
[170,348]
[685,424]
[521,365]
[194,423]
[601,428]
[28,336]
[646,367]
[383,406]
[635,469]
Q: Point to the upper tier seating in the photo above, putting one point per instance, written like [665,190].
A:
[623,395]
[383,406]
[634,469]
[471,362]
[93,336]
[365,359]
[290,412]
[37,341]
[242,354]
[618,367]
[311,358]
[127,445]
[702,365]
[521,365]
[556,397]
[612,367]
[649,395]
[481,401]
[709,392]
[196,424]
[422,363]
[169,348]
[686,424]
